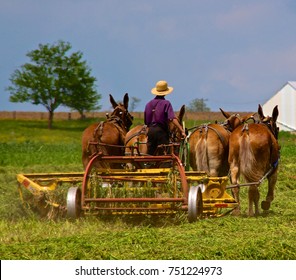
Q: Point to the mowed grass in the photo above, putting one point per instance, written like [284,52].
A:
[29,147]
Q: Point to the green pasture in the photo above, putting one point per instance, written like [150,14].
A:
[29,147]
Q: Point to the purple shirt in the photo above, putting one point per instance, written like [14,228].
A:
[158,111]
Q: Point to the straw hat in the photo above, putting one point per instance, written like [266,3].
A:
[161,88]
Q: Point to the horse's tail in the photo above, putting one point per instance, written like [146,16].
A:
[248,163]
[201,152]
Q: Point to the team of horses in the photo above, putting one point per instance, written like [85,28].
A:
[240,147]
[209,144]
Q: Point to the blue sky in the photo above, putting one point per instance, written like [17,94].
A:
[235,54]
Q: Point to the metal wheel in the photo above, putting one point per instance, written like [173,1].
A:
[195,203]
[74,203]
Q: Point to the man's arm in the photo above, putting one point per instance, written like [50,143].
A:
[176,123]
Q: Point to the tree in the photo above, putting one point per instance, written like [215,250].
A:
[54,78]
[198,105]
[134,103]
[81,95]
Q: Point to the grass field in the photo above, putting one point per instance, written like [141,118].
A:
[29,147]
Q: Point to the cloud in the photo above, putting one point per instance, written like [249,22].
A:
[206,49]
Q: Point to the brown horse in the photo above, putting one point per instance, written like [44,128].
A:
[136,138]
[209,145]
[107,136]
[254,154]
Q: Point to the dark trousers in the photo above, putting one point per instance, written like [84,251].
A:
[156,136]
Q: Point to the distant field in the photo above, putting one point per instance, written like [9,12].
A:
[18,115]
[27,146]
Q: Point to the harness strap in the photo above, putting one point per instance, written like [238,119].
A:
[274,165]
[222,139]
[206,127]
[142,131]
[122,131]
[117,123]
[100,129]
[153,112]
[245,127]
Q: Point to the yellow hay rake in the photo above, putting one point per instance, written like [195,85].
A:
[144,185]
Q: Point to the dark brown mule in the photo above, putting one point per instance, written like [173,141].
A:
[254,154]
[107,136]
[209,145]
[136,138]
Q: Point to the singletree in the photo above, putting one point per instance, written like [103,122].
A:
[55,78]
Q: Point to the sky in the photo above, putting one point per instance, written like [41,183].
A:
[233,54]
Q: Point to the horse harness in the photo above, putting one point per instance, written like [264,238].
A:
[142,131]
[266,122]
[225,125]
[206,127]
[117,122]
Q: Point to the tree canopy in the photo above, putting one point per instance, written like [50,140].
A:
[198,105]
[134,103]
[55,78]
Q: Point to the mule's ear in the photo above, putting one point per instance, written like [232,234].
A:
[125,101]
[275,113]
[225,114]
[113,102]
[260,112]
[181,113]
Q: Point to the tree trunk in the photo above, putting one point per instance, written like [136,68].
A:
[50,119]
[82,116]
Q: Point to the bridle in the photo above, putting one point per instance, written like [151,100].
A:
[268,121]
[122,117]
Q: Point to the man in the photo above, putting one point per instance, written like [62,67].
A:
[157,116]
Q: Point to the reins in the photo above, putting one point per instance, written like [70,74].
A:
[258,182]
